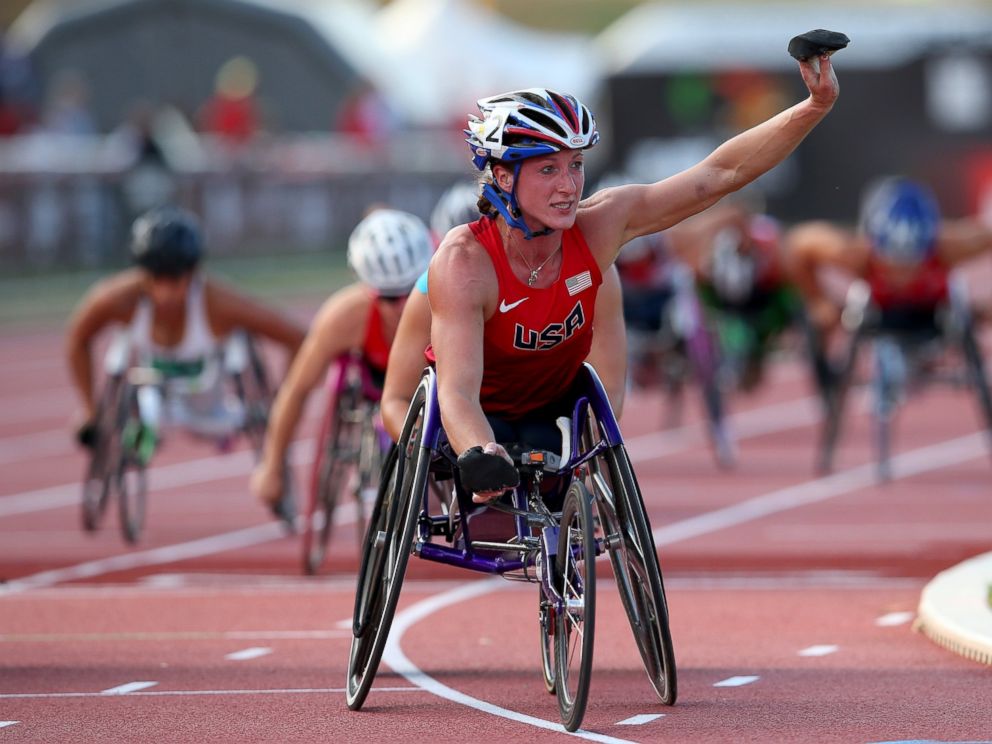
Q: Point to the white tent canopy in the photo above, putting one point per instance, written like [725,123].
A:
[446,54]
[661,36]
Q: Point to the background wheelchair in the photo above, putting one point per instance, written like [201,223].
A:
[909,349]
[676,347]
[350,451]
[601,511]
[129,416]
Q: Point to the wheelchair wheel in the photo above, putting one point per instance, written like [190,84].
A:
[575,579]
[130,478]
[386,551]
[546,618]
[100,470]
[636,568]
[332,472]
[835,396]
[976,372]
[255,393]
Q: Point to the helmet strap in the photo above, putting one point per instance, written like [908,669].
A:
[506,204]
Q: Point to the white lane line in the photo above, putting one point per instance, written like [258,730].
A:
[38,444]
[345,624]
[128,688]
[740,681]
[393,655]
[5,724]
[193,693]
[641,719]
[165,554]
[756,422]
[238,635]
[914,462]
[822,650]
[186,473]
[894,618]
[248,653]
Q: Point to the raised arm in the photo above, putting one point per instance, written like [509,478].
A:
[620,214]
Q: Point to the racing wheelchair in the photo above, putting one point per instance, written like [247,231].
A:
[351,448]
[129,414]
[601,511]
[671,346]
[908,347]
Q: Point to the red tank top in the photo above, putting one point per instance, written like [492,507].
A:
[536,341]
[926,287]
[375,347]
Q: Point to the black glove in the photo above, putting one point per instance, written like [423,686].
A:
[87,434]
[482,472]
[817,42]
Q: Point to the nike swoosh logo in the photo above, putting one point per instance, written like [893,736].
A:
[504,308]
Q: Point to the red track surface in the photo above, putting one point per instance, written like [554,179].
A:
[760,563]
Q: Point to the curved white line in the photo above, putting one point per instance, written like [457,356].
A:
[394,656]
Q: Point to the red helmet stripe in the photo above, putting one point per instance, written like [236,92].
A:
[568,112]
[533,133]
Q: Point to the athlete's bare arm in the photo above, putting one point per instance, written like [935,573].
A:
[406,362]
[608,354]
[229,309]
[108,302]
[962,240]
[616,215]
[810,246]
[338,327]
[463,291]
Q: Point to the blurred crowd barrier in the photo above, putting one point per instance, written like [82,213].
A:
[67,201]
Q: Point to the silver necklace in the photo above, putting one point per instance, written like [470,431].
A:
[532,279]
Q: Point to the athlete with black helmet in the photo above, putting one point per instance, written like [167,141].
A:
[176,320]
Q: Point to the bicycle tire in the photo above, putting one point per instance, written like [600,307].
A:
[386,553]
[575,579]
[546,627]
[976,371]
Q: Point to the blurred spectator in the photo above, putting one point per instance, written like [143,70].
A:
[366,115]
[232,111]
[17,93]
[149,180]
[67,108]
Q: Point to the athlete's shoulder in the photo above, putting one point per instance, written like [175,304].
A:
[460,251]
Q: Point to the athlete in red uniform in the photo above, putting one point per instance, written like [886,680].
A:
[388,250]
[538,241]
[903,249]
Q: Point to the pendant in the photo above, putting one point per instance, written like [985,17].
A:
[533,278]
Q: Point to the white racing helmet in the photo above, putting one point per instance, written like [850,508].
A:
[389,250]
[459,205]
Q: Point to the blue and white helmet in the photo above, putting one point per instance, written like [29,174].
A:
[901,219]
[525,124]
[389,250]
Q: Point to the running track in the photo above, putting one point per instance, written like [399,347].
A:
[792,596]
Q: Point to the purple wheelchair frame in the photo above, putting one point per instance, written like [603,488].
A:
[434,442]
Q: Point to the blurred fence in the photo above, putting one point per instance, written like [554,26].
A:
[68,201]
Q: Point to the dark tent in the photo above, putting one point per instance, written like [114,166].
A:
[169,51]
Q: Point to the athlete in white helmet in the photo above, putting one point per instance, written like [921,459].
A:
[513,296]
[388,250]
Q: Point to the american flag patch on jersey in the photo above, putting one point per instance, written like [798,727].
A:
[577,283]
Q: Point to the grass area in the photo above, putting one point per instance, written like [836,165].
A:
[44,298]
[580,16]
